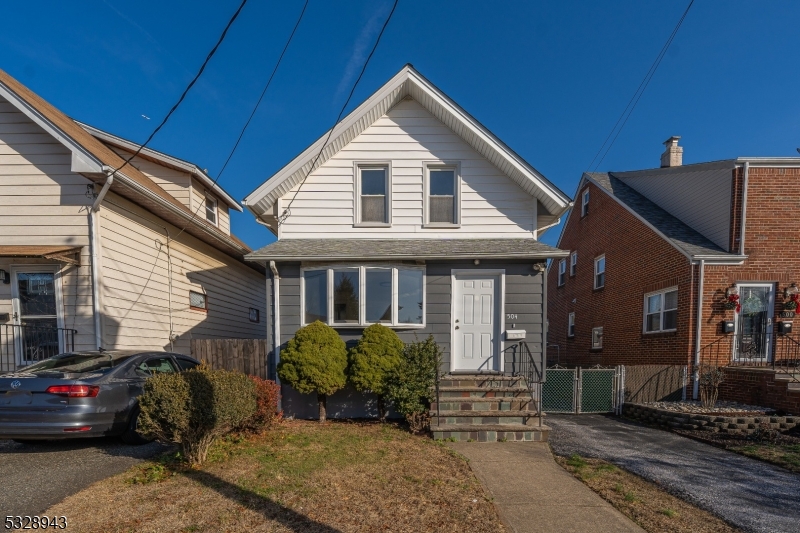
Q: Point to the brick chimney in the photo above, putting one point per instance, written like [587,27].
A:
[673,155]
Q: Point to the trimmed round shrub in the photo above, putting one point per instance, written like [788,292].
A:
[314,361]
[195,407]
[411,385]
[266,415]
[378,352]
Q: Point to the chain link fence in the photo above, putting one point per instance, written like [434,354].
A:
[584,390]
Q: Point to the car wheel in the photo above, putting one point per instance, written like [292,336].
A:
[132,435]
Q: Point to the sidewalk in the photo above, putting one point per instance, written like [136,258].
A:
[533,493]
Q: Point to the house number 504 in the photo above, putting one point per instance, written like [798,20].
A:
[511,317]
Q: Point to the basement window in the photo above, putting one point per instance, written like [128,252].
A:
[198,301]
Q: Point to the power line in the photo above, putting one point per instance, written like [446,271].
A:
[186,91]
[288,211]
[250,118]
[637,95]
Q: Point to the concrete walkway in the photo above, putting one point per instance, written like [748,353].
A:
[755,496]
[533,493]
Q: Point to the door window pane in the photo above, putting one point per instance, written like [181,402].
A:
[37,293]
[409,296]
[373,195]
[345,296]
[441,192]
[316,295]
[378,295]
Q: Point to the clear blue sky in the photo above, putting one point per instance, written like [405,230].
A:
[549,78]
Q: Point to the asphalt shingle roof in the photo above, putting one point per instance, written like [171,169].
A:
[677,232]
[378,249]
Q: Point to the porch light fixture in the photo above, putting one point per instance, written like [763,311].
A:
[5,277]
[787,292]
[731,291]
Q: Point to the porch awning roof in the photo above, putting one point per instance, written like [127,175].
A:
[63,254]
[407,249]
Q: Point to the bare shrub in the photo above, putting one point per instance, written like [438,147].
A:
[710,378]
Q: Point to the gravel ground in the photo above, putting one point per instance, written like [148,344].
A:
[36,476]
[750,494]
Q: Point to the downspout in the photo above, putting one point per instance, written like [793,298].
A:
[172,335]
[698,329]
[276,303]
[94,244]
[744,206]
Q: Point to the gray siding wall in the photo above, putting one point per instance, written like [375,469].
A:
[524,297]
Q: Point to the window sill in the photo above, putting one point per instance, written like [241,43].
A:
[373,225]
[595,350]
[663,333]
[441,225]
[599,288]
[365,326]
[200,309]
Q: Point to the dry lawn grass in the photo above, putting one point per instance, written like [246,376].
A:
[654,509]
[300,477]
[783,455]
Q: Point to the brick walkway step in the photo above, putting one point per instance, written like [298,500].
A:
[479,404]
[490,433]
[482,418]
[484,381]
[482,392]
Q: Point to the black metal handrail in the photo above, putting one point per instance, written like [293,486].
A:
[524,365]
[23,344]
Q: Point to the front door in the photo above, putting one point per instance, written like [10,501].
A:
[36,314]
[754,322]
[476,324]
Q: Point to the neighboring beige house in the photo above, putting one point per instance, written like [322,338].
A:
[91,257]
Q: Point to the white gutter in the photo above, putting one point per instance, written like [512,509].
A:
[276,336]
[744,205]
[94,244]
[698,329]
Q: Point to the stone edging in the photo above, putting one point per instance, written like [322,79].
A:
[714,424]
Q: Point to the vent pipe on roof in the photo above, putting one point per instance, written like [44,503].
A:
[673,155]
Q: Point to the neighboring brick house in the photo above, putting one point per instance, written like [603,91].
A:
[650,248]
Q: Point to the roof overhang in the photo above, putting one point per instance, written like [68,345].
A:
[769,161]
[63,254]
[407,82]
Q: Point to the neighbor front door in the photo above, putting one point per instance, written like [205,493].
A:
[36,306]
[476,339]
[754,322]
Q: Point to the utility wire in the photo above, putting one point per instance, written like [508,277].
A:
[250,118]
[288,211]
[186,91]
[637,95]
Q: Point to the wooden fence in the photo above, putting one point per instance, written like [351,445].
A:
[243,355]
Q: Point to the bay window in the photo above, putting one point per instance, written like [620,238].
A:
[661,311]
[355,296]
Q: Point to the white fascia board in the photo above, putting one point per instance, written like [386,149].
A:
[769,161]
[182,164]
[83,161]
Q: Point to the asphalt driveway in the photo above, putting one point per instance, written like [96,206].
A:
[35,476]
[750,494]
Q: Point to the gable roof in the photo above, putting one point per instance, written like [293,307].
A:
[688,241]
[94,160]
[408,82]
[164,160]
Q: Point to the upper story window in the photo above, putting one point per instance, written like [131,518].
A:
[357,296]
[442,195]
[600,272]
[585,202]
[562,272]
[374,194]
[661,311]
[211,210]
[573,263]
[571,325]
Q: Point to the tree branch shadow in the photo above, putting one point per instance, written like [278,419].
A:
[269,509]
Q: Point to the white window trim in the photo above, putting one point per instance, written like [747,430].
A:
[662,292]
[362,280]
[562,272]
[445,165]
[357,167]
[573,263]
[585,197]
[596,261]
[206,198]
[571,324]
[599,346]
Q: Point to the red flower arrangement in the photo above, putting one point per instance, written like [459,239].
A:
[793,302]
[733,302]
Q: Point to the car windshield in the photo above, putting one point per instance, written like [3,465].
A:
[78,362]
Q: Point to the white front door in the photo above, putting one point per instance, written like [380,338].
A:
[37,313]
[476,324]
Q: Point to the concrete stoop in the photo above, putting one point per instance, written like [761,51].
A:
[477,407]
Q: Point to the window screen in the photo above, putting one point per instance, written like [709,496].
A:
[442,184]
[373,194]
[198,300]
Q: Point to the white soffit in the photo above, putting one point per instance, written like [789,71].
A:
[408,82]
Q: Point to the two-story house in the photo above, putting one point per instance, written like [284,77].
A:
[412,214]
[96,253]
[684,265]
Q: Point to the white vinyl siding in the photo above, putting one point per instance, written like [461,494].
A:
[408,136]
[135,298]
[199,195]
[173,181]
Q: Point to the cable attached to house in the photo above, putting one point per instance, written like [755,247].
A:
[637,95]
[288,211]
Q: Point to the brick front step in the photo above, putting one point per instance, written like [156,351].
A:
[489,433]
[480,380]
[482,418]
[483,392]
[473,404]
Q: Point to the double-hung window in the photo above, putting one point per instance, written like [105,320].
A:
[661,311]
[374,194]
[573,263]
[354,296]
[600,272]
[585,202]
[562,271]
[211,210]
[442,195]
[571,325]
